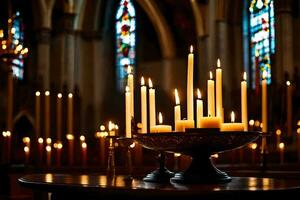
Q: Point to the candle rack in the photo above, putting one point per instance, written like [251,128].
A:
[200,144]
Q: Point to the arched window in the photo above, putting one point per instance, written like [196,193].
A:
[18,42]
[125,40]
[261,32]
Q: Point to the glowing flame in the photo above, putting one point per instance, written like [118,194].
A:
[253,146]
[37,93]
[281,145]
[47,93]
[48,140]
[142,81]
[191,49]
[129,70]
[160,118]
[198,94]
[84,145]
[82,138]
[102,128]
[245,76]
[211,75]
[264,75]
[150,83]
[288,83]
[59,95]
[177,100]
[278,132]
[232,116]
[48,148]
[70,95]
[40,140]
[59,146]
[127,89]
[218,63]
[26,149]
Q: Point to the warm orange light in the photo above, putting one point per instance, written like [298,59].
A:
[127,89]
[160,118]
[176,155]
[253,146]
[132,145]
[298,123]
[84,145]
[191,49]
[264,75]
[278,132]
[218,63]
[48,140]
[59,146]
[110,126]
[211,75]
[47,93]
[298,130]
[288,83]
[215,155]
[70,95]
[59,95]
[55,145]
[26,139]
[82,138]
[37,93]
[48,148]
[177,100]
[150,83]
[102,128]
[251,122]
[198,94]
[70,137]
[257,123]
[26,149]
[129,70]
[8,133]
[281,145]
[40,140]
[142,81]
[232,117]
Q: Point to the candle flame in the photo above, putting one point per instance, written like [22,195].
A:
[40,140]
[26,149]
[70,137]
[26,139]
[59,146]
[47,93]
[48,148]
[37,93]
[177,100]
[59,95]
[84,145]
[70,95]
[211,75]
[191,49]
[251,122]
[218,63]
[82,138]
[244,76]
[150,83]
[129,69]
[253,146]
[160,118]
[281,145]
[278,132]
[232,117]
[132,145]
[102,128]
[8,133]
[127,89]
[142,81]
[288,83]
[199,93]
[110,126]
[264,75]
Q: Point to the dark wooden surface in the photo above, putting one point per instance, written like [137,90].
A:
[64,186]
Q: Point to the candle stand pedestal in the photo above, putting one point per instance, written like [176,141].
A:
[111,167]
[199,144]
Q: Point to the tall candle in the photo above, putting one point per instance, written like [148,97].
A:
[244,102]
[58,116]
[177,109]
[152,104]
[190,85]
[48,155]
[70,113]
[27,153]
[278,133]
[281,152]
[84,153]
[70,139]
[128,112]
[47,114]
[264,103]
[37,114]
[289,103]
[40,150]
[143,105]
[211,96]
[219,96]
[130,83]
[199,108]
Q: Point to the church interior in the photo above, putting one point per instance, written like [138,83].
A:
[117,88]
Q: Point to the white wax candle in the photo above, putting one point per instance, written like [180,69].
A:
[47,114]
[37,113]
[128,112]
[143,105]
[232,126]
[182,125]
[59,116]
[190,85]
[160,128]
[219,96]
[177,109]
[244,102]
[264,103]
[210,122]
[130,83]
[199,108]
[70,113]
[151,104]
[211,96]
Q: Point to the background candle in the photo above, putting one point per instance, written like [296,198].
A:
[289,104]
[190,85]
[130,83]
[27,154]
[151,104]
[177,109]
[128,112]
[84,153]
[278,133]
[37,114]
[219,96]
[48,155]
[199,108]
[58,116]
[70,113]
[244,102]
[40,149]
[211,96]
[47,114]
[264,103]
[143,105]
[70,139]
[59,149]
[281,152]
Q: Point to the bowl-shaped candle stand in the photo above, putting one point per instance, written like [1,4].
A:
[200,144]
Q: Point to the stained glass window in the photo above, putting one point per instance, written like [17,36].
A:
[125,40]
[262,38]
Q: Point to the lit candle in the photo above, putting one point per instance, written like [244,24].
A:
[111,129]
[130,83]
[210,122]
[37,113]
[27,152]
[219,96]
[48,153]
[278,133]
[199,108]
[47,114]
[70,139]
[59,149]
[251,124]
[102,135]
[84,153]
[182,125]
[244,102]
[190,85]
[281,152]
[289,103]
[70,113]
[211,96]
[253,149]
[8,139]
[177,109]
[264,111]
[128,112]
[151,104]
[40,149]
[232,126]
[161,128]
[143,105]
[58,116]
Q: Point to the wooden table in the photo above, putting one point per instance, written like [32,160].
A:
[64,186]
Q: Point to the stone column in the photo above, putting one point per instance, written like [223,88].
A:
[43,58]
